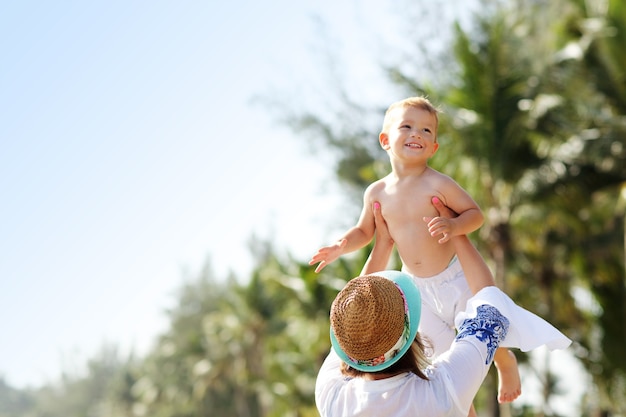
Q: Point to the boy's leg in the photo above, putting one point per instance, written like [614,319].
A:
[509,382]
[438,334]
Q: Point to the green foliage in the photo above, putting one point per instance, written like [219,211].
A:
[13,402]
[92,393]
[246,350]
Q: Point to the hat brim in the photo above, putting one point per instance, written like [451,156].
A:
[414,303]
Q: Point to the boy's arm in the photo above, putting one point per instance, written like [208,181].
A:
[383,245]
[470,216]
[354,239]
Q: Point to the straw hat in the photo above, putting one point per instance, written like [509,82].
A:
[374,320]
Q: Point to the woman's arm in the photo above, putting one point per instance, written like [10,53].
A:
[383,245]
[465,365]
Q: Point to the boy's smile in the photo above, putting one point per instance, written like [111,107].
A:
[414,145]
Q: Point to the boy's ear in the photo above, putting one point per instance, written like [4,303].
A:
[383,139]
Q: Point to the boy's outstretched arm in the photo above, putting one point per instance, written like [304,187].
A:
[354,239]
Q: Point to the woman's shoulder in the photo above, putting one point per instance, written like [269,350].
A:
[401,395]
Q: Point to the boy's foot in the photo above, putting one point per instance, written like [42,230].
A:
[509,382]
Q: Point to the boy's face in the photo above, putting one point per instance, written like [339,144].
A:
[412,133]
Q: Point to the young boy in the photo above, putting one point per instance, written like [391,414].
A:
[409,136]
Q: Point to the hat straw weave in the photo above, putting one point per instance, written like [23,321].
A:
[368,317]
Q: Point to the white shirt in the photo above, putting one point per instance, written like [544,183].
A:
[453,380]
[454,377]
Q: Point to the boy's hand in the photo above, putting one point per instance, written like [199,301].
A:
[327,254]
[441,225]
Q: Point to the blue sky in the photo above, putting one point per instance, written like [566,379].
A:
[130,150]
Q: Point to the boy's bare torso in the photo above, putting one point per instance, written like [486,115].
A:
[405,202]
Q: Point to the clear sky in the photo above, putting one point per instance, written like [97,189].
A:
[130,150]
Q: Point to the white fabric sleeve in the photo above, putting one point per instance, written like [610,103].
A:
[527,331]
[465,365]
[328,377]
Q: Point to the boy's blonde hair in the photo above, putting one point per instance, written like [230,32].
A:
[418,102]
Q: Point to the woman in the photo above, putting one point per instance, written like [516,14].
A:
[378,362]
